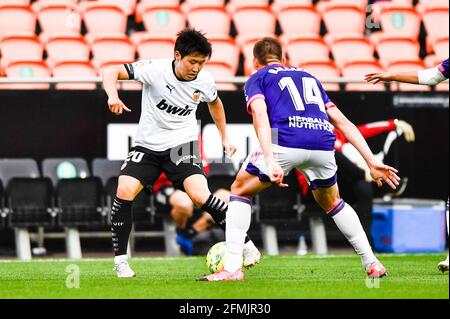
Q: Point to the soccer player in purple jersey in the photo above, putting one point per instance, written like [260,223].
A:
[431,76]
[292,103]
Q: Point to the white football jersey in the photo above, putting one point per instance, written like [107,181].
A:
[168,104]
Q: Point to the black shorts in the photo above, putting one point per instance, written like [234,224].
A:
[178,163]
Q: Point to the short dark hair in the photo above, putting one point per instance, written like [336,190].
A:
[190,41]
[267,50]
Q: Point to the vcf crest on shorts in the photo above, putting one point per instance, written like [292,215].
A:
[196,96]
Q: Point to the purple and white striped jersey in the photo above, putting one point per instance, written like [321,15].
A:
[296,105]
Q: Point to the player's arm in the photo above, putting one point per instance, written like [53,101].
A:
[218,115]
[378,171]
[110,76]
[430,76]
[263,130]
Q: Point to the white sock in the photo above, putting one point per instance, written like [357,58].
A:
[348,223]
[120,258]
[238,222]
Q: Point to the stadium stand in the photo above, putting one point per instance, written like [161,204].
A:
[201,17]
[67,69]
[298,21]
[56,49]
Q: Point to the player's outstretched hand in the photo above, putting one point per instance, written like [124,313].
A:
[117,107]
[381,172]
[374,78]
[229,148]
[276,174]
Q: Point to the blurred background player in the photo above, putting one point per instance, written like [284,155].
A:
[292,105]
[431,76]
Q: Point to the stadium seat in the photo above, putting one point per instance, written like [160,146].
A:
[188,5]
[56,48]
[64,168]
[128,6]
[407,66]
[357,70]
[307,49]
[112,48]
[220,70]
[323,70]
[163,21]
[343,20]
[15,2]
[278,5]
[16,20]
[154,48]
[298,21]
[388,50]
[36,5]
[73,69]
[30,202]
[400,21]
[18,167]
[423,5]
[79,201]
[436,22]
[20,48]
[325,4]
[104,169]
[247,52]
[24,70]
[244,21]
[349,49]
[200,18]
[441,48]
[104,19]
[234,5]
[225,51]
[221,175]
[58,20]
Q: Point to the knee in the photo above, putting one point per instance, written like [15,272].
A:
[126,191]
[236,188]
[222,194]
[182,208]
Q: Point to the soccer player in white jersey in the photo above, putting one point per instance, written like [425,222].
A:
[431,76]
[167,137]
[291,104]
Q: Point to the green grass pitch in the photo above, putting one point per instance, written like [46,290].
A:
[280,277]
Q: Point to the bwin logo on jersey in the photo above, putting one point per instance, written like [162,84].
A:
[163,106]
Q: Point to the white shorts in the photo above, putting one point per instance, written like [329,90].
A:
[319,167]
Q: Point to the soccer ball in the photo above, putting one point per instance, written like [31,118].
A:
[216,257]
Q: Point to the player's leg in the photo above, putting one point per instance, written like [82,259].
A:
[350,226]
[443,265]
[138,170]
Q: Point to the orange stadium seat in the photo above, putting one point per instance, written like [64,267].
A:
[429,4]
[400,21]
[200,18]
[58,20]
[407,66]
[225,51]
[322,71]
[307,49]
[298,20]
[436,22]
[15,2]
[221,70]
[16,19]
[397,49]
[234,5]
[441,48]
[56,48]
[244,20]
[349,49]
[378,6]
[71,69]
[279,5]
[151,48]
[144,5]
[163,21]
[112,48]
[343,20]
[188,5]
[128,6]
[21,48]
[26,70]
[325,4]
[357,70]
[104,19]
